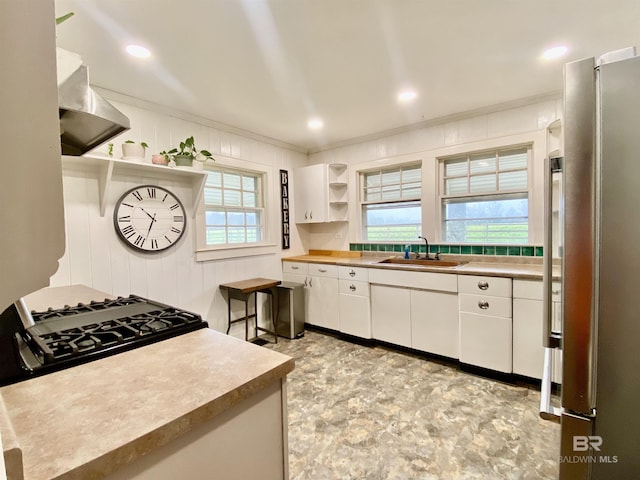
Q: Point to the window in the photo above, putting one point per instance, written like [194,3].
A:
[485,197]
[234,207]
[391,209]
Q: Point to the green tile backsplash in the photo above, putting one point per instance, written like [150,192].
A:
[510,250]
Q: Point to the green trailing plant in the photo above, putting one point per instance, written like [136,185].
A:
[63,18]
[110,149]
[188,149]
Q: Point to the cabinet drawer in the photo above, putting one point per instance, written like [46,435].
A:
[354,288]
[295,267]
[323,270]
[532,290]
[485,305]
[353,273]
[496,286]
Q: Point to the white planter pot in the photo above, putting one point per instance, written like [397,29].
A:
[132,151]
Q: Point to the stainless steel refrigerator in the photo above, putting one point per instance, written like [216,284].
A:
[598,214]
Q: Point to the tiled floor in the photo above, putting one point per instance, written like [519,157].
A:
[371,413]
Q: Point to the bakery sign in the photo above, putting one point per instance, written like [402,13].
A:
[284,196]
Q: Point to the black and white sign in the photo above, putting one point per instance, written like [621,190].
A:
[284,195]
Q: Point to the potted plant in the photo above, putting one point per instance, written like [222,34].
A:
[187,153]
[133,151]
[161,158]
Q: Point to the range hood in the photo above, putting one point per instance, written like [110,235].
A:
[86,119]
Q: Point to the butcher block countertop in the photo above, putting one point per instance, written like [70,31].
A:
[528,268]
[87,421]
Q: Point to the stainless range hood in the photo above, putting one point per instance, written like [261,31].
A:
[86,119]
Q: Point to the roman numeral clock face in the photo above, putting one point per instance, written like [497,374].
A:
[149,218]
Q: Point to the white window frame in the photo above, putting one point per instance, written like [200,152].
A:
[443,196]
[206,252]
[355,197]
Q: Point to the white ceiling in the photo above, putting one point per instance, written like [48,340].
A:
[268,66]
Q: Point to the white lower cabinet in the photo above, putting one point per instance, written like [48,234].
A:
[391,314]
[434,322]
[355,312]
[485,322]
[528,350]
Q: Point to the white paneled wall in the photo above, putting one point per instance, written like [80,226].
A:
[95,256]
[495,124]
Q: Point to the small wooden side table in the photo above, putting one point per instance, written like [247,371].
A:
[242,291]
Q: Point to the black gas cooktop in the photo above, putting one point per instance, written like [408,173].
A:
[60,338]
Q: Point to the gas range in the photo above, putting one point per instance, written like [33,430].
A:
[55,339]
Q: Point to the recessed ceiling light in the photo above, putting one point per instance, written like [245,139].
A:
[138,51]
[406,96]
[315,124]
[555,52]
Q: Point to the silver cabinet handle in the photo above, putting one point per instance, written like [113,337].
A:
[311,214]
[322,270]
[305,282]
[306,215]
[555,292]
[352,287]
[295,268]
[483,304]
[310,282]
[352,273]
[483,285]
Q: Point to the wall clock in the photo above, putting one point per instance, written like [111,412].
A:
[149,218]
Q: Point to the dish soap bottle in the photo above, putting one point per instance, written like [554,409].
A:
[406,251]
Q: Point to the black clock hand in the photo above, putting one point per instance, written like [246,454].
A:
[148,214]
[153,220]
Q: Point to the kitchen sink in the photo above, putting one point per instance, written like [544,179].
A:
[422,262]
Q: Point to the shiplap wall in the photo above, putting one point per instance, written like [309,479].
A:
[528,117]
[95,256]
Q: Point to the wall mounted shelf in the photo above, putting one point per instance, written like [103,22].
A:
[107,167]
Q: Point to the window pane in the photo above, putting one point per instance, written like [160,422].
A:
[513,159]
[249,199]
[372,179]
[411,190]
[513,180]
[236,234]
[249,183]
[214,179]
[482,163]
[231,180]
[391,193]
[235,218]
[456,186]
[412,175]
[491,221]
[212,196]
[252,218]
[253,234]
[390,176]
[216,235]
[372,195]
[232,198]
[455,168]
[482,184]
[215,217]
[393,223]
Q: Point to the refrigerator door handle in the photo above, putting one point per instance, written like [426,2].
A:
[550,339]
[547,411]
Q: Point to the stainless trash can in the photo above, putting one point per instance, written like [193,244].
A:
[291,314]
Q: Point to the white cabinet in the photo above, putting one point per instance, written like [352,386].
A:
[355,316]
[528,351]
[320,193]
[485,322]
[434,322]
[415,309]
[391,314]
